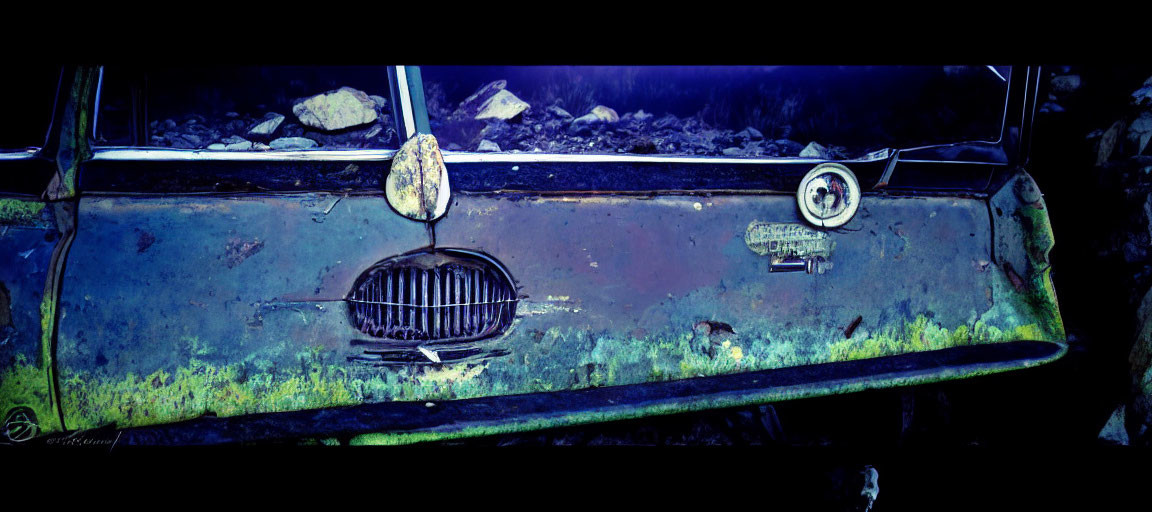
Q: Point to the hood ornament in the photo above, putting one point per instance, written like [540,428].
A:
[417,185]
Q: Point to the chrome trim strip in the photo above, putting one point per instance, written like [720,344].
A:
[119,153]
[27,154]
[405,102]
[185,155]
[949,162]
[96,109]
[463,157]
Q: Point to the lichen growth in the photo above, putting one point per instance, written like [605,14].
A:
[688,405]
[19,212]
[24,384]
[922,334]
[201,387]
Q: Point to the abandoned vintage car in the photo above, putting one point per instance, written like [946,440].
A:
[388,255]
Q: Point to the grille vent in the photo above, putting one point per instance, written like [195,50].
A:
[440,296]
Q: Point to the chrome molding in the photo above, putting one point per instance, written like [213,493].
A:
[456,157]
[405,105]
[187,155]
[27,154]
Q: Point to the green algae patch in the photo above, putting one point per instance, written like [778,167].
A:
[26,385]
[200,387]
[19,212]
[695,404]
[922,335]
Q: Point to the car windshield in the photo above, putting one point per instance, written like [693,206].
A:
[246,108]
[832,112]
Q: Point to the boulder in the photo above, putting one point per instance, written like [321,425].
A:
[473,104]
[1114,431]
[599,115]
[605,114]
[487,146]
[1142,97]
[374,131]
[1140,132]
[642,116]
[559,112]
[1065,84]
[750,133]
[292,143]
[1107,142]
[267,126]
[335,110]
[814,150]
[502,106]
[668,122]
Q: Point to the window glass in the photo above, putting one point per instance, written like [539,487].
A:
[739,111]
[253,108]
[29,92]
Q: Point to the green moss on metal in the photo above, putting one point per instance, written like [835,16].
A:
[93,400]
[922,334]
[586,360]
[25,384]
[19,211]
[692,405]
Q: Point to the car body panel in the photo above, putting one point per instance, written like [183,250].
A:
[244,296]
[28,244]
[191,297]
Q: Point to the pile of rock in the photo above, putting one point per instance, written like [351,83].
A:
[1124,161]
[1061,85]
[495,119]
[341,119]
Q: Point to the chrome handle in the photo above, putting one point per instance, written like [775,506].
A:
[809,265]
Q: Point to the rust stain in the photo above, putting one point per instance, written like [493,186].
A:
[239,250]
[852,327]
[144,240]
[1017,281]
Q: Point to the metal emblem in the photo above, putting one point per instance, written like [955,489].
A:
[829,195]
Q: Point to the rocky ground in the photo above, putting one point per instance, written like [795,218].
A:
[1123,221]
[495,119]
[345,118]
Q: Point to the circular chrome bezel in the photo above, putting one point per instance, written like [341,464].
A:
[20,425]
[852,195]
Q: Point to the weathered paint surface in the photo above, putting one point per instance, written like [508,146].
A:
[691,404]
[28,236]
[166,315]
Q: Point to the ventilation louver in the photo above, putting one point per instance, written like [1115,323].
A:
[433,296]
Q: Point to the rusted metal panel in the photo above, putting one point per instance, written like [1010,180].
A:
[29,239]
[182,306]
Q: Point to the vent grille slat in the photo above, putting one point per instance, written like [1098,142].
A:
[449,299]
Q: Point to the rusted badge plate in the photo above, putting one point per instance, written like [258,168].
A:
[787,240]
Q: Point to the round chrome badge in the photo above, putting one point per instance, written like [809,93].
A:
[20,425]
[829,195]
